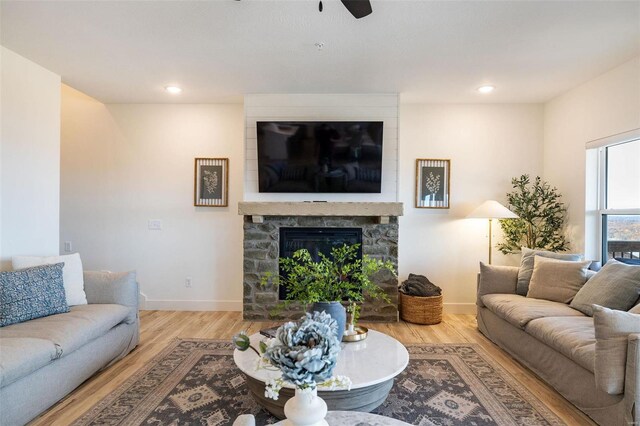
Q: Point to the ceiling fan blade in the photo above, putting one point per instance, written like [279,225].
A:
[358,8]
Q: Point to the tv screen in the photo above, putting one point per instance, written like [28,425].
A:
[320,156]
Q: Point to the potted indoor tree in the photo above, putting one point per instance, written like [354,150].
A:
[327,283]
[541,215]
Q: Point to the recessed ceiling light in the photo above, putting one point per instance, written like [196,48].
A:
[174,90]
[486,89]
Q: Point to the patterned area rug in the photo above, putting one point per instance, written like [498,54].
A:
[195,382]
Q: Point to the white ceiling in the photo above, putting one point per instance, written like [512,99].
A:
[428,51]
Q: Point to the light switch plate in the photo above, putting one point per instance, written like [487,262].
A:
[155,225]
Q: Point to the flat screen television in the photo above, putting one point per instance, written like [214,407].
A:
[320,156]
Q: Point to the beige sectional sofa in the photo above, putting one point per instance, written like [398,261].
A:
[558,343]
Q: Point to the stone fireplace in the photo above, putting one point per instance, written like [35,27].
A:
[376,224]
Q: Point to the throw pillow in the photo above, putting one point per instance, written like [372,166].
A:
[31,293]
[526,265]
[496,279]
[557,280]
[615,286]
[72,275]
[612,330]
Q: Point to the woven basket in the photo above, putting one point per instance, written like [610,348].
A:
[421,310]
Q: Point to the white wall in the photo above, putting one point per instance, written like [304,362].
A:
[342,107]
[487,145]
[125,164]
[605,106]
[30,160]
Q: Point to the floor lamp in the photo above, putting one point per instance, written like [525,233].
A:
[491,210]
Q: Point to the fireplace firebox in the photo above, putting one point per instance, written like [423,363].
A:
[316,241]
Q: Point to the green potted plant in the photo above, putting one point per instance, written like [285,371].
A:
[540,222]
[325,284]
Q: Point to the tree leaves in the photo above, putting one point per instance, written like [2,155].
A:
[541,217]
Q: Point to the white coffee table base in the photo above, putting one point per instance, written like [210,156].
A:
[363,399]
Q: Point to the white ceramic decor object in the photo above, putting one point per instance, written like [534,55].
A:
[306,408]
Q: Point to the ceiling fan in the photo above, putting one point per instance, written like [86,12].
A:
[358,8]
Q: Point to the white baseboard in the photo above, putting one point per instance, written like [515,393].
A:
[459,308]
[236,305]
[191,305]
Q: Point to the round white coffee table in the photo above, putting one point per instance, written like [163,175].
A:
[342,418]
[371,364]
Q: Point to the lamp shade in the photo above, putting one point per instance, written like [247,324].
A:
[492,209]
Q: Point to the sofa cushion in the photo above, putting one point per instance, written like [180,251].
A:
[22,356]
[72,330]
[557,280]
[31,293]
[526,265]
[612,329]
[572,336]
[615,286]
[519,310]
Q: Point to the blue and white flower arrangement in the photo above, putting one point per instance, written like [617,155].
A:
[305,352]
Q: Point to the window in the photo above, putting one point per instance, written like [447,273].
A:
[619,201]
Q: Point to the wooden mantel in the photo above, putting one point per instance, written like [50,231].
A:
[257,210]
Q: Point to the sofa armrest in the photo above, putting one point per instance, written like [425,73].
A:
[632,380]
[496,279]
[111,287]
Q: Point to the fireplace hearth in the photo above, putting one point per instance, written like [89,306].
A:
[315,228]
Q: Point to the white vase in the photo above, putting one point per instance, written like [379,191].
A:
[306,408]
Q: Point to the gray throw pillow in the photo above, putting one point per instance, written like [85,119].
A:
[31,293]
[612,331]
[557,280]
[615,286]
[496,279]
[526,265]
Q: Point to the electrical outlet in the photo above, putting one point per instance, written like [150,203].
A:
[155,225]
[67,247]
[187,282]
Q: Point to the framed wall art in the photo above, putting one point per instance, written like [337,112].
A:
[432,183]
[211,187]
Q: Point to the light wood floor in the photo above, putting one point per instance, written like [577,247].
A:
[160,327]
